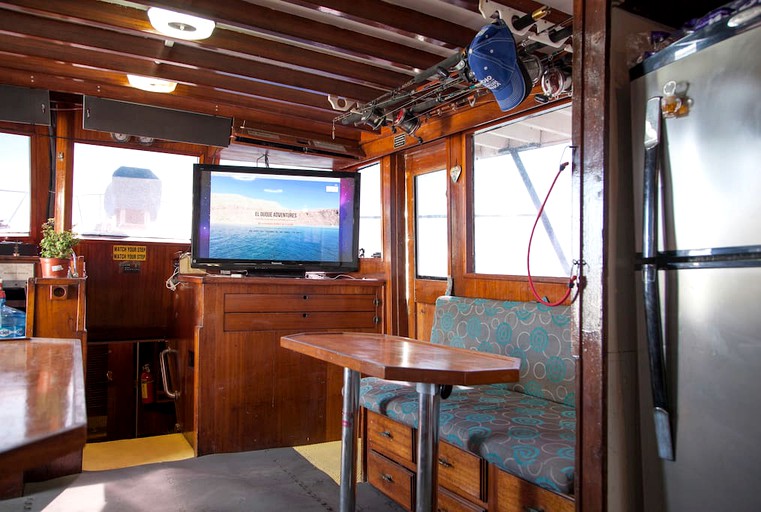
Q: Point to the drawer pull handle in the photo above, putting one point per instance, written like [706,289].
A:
[444,462]
[387,478]
[305,315]
[387,434]
[533,509]
[306,297]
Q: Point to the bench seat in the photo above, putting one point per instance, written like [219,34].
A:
[527,428]
[529,437]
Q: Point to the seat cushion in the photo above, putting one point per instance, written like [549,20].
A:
[529,437]
[539,335]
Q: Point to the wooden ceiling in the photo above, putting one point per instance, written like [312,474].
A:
[271,65]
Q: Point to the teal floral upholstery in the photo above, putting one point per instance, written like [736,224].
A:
[527,428]
[539,335]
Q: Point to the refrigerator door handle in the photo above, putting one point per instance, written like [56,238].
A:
[650,287]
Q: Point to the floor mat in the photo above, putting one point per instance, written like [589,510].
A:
[134,452]
[264,480]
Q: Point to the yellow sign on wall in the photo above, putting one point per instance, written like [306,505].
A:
[129,252]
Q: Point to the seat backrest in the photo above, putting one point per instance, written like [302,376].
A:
[539,335]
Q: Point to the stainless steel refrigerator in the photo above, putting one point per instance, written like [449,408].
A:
[696,114]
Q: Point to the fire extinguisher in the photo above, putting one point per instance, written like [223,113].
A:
[146,385]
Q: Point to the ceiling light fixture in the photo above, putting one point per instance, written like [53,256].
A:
[151,84]
[181,26]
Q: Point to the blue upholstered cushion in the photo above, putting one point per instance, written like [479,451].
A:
[539,335]
[527,436]
[527,428]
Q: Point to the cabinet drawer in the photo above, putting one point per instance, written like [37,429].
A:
[266,302]
[517,495]
[302,321]
[448,502]
[391,479]
[460,471]
[389,437]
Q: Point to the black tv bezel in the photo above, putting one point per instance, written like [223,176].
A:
[286,268]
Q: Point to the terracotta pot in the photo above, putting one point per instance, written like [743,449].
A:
[55,267]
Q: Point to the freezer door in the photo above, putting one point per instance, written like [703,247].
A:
[711,161]
[713,360]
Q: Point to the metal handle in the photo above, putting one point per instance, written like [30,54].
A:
[387,434]
[650,289]
[533,509]
[163,360]
[387,478]
[444,462]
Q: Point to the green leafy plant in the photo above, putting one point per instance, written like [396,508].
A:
[55,244]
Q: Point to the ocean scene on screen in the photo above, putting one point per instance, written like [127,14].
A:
[257,217]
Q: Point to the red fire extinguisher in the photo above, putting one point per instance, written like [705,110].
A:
[146,385]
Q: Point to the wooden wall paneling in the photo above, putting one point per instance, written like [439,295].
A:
[591,79]
[393,189]
[123,304]
[41,180]
[64,165]
[417,161]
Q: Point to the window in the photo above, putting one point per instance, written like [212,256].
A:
[515,165]
[132,193]
[370,212]
[431,240]
[15,185]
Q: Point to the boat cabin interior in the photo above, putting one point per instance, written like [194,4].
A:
[481,150]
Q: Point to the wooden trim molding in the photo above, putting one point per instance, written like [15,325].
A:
[590,120]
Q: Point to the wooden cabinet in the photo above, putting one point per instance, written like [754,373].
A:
[56,308]
[239,390]
[391,456]
[115,408]
[466,483]
[514,494]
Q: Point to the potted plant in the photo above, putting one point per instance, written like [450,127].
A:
[56,250]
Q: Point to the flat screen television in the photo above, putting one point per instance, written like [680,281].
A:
[272,221]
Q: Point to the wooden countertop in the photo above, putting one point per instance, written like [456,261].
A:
[42,401]
[404,359]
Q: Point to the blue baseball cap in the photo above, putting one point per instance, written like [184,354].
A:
[493,60]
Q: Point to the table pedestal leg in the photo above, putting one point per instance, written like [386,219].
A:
[347,501]
[427,446]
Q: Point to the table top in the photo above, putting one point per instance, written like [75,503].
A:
[404,359]
[42,401]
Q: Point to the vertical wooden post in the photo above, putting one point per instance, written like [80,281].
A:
[64,163]
[591,50]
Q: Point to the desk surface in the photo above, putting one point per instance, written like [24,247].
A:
[405,359]
[42,401]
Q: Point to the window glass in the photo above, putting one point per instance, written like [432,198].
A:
[15,185]
[515,165]
[431,240]
[132,193]
[370,212]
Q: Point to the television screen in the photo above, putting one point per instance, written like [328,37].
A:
[274,221]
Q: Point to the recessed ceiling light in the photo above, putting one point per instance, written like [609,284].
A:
[181,26]
[151,84]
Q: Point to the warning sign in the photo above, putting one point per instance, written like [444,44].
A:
[129,252]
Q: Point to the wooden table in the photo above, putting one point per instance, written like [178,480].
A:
[42,402]
[428,365]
